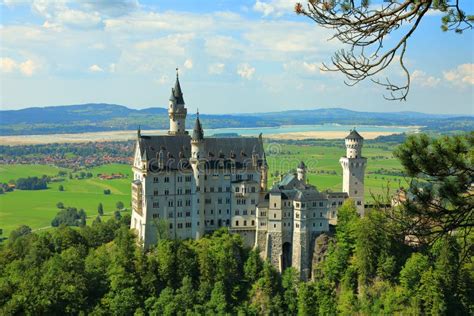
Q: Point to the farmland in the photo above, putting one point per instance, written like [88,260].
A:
[37,208]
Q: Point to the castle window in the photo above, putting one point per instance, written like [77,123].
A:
[180,179]
[155,192]
[219,201]
[274,215]
[188,213]
[179,203]
[236,223]
[227,189]
[321,214]
[188,225]
[355,192]
[227,201]
[208,201]
[212,189]
[274,225]
[314,214]
[320,224]
[359,203]
[156,204]
[244,212]
[220,212]
[167,179]
[170,203]
[180,225]
[297,215]
[274,205]
[227,222]
[237,189]
[297,225]
[227,211]
[252,201]
[321,204]
[155,179]
[188,191]
[187,178]
[237,212]
[212,222]
[167,192]
[171,225]
[252,212]
[253,223]
[170,214]
[245,223]
[314,225]
[219,189]
[180,214]
[188,202]
[156,215]
[212,212]
[253,189]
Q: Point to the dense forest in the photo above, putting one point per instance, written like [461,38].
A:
[101,270]
[415,258]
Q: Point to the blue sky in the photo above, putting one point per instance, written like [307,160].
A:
[234,56]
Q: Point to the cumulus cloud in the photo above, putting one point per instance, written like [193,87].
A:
[27,68]
[188,64]
[245,71]
[461,75]
[216,69]
[421,78]
[274,7]
[95,68]
[7,64]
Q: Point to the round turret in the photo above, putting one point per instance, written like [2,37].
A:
[354,144]
[301,172]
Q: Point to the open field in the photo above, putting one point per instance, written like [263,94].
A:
[37,208]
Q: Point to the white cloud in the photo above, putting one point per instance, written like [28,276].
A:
[245,71]
[188,64]
[216,69]
[421,78]
[112,68]
[95,68]
[7,64]
[27,68]
[274,7]
[164,79]
[461,75]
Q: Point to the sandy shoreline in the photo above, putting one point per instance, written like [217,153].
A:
[131,135]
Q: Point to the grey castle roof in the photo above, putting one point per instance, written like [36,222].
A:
[175,151]
[176,93]
[291,188]
[198,133]
[354,135]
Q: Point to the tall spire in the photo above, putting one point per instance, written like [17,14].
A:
[198,133]
[176,93]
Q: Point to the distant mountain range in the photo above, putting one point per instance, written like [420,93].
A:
[96,117]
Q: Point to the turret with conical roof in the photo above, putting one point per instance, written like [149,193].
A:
[354,144]
[177,111]
[198,133]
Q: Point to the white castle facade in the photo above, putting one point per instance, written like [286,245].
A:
[191,185]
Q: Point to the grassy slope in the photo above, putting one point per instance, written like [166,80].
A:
[37,208]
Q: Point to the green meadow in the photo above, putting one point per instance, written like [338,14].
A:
[37,208]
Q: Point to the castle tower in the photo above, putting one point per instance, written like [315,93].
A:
[301,172]
[198,165]
[353,168]
[177,111]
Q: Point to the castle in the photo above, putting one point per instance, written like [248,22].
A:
[190,185]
